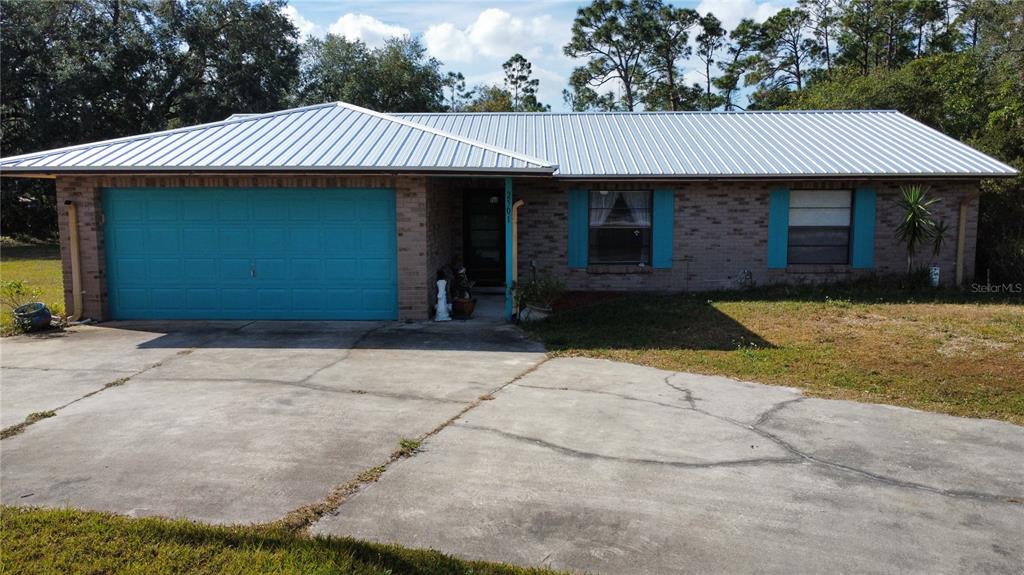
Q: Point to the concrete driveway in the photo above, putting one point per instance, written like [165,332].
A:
[232,421]
[580,464]
[605,467]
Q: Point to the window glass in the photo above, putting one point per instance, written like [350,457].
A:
[620,227]
[819,226]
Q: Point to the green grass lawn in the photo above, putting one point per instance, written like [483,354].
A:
[71,541]
[38,265]
[941,351]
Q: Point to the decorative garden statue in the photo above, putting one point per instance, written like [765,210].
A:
[442,302]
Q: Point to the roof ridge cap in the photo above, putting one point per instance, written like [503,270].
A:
[449,135]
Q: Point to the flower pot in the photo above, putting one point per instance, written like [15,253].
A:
[534,312]
[462,308]
[32,316]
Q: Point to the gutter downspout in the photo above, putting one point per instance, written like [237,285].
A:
[76,261]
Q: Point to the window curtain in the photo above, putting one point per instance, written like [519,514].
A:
[601,207]
[639,208]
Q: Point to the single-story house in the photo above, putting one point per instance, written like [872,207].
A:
[338,212]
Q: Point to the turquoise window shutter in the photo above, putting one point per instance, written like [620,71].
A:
[662,225]
[778,228]
[862,250]
[579,227]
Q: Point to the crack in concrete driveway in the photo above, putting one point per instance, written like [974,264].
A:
[603,467]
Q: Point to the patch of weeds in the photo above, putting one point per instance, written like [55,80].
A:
[32,418]
[304,516]
[116,382]
[407,447]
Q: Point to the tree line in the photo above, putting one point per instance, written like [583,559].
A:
[75,71]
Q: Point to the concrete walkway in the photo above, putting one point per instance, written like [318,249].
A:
[605,467]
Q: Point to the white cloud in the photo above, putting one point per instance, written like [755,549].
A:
[305,26]
[496,34]
[366,28]
[730,12]
[448,43]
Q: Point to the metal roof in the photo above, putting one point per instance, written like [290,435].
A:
[333,136]
[342,137]
[725,144]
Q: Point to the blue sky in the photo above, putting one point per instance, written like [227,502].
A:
[475,37]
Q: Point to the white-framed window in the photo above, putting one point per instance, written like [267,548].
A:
[620,227]
[819,226]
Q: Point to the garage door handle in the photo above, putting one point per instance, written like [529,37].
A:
[252,271]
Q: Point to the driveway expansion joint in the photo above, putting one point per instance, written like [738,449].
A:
[300,519]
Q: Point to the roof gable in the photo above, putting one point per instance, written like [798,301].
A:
[333,136]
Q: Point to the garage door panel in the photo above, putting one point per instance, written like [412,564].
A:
[162,209]
[304,240]
[234,240]
[190,253]
[163,240]
[270,240]
[194,209]
[238,299]
[277,300]
[200,271]
[165,270]
[172,300]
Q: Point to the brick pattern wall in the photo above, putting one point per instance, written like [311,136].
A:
[444,232]
[85,191]
[721,235]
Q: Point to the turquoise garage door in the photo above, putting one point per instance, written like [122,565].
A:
[201,253]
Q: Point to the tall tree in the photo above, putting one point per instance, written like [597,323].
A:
[823,21]
[709,42]
[580,97]
[456,94]
[669,47]
[744,42]
[521,86]
[786,50]
[614,36]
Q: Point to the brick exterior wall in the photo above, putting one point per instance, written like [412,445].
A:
[721,232]
[85,191]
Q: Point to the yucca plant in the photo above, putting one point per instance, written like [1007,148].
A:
[918,226]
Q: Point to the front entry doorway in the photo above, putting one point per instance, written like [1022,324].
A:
[484,237]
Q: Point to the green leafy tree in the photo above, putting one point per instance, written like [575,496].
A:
[491,99]
[397,77]
[823,20]
[580,97]
[613,36]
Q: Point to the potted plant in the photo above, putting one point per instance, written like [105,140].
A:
[463,302]
[539,295]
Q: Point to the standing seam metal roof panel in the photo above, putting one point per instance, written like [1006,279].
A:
[339,136]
